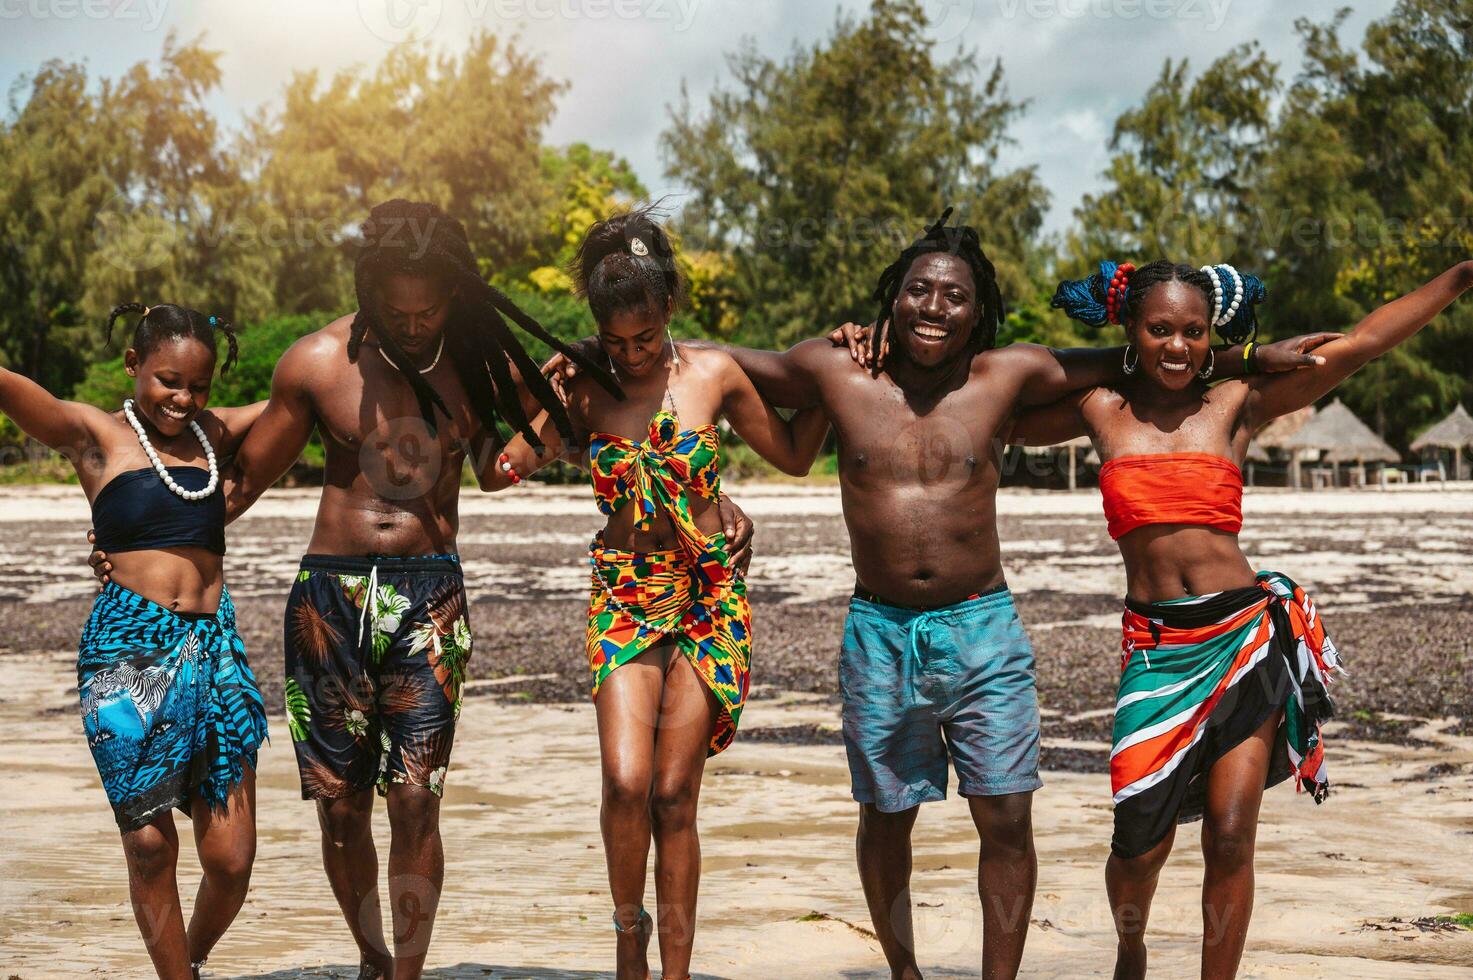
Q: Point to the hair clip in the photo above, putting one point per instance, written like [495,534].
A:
[638,247]
[212,319]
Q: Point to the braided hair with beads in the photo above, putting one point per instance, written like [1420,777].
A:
[418,239]
[1116,292]
[157,324]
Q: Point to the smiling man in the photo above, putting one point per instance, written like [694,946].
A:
[377,632]
[935,662]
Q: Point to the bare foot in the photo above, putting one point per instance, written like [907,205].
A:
[374,968]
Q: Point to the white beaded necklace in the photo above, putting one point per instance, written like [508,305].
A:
[425,370]
[162,470]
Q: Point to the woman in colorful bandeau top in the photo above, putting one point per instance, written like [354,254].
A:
[669,628]
[1224,671]
[169,705]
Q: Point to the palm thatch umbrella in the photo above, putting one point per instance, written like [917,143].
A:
[1453,432]
[1342,438]
[1272,436]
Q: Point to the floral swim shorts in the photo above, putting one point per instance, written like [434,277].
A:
[376,649]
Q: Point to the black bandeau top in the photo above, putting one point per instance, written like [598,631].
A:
[136,511]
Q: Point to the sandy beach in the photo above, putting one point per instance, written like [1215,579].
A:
[1346,890]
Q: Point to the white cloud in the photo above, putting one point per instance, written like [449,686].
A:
[1079,62]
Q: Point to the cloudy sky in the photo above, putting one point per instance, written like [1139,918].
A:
[1078,62]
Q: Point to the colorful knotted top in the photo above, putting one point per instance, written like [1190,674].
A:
[656,474]
[1172,488]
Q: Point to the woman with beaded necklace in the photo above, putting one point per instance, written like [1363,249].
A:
[669,628]
[1224,675]
[169,704]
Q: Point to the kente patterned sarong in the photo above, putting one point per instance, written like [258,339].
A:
[1200,675]
[169,704]
[688,594]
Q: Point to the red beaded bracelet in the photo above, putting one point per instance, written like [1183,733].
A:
[509,470]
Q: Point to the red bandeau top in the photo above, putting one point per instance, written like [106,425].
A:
[1172,488]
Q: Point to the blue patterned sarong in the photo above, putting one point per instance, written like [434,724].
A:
[169,704]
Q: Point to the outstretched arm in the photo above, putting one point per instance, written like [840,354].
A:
[1049,374]
[280,433]
[789,444]
[61,425]
[1381,330]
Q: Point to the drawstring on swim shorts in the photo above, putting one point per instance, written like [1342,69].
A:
[368,601]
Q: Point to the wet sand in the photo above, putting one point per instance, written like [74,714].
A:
[525,893]
[1339,886]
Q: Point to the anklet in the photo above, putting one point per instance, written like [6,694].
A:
[637,925]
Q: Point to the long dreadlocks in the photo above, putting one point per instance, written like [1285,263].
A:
[413,238]
[963,242]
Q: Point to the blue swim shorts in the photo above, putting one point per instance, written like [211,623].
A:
[917,684]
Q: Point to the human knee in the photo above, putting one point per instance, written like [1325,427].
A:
[673,806]
[345,821]
[1227,844]
[150,851]
[1004,823]
[1140,868]
[627,789]
[229,867]
[414,809]
[876,825]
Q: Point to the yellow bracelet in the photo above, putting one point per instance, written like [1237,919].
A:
[1248,356]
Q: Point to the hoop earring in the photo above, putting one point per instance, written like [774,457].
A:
[1206,372]
[1126,364]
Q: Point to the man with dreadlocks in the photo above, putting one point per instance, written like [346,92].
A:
[934,658]
[376,631]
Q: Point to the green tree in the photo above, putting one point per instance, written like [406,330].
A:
[462,132]
[584,186]
[55,154]
[1180,182]
[180,227]
[814,171]
[1366,195]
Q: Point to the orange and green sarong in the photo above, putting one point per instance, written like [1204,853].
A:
[686,595]
[1199,676]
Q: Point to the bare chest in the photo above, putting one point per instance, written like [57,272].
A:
[694,401]
[888,442]
[1121,429]
[369,410]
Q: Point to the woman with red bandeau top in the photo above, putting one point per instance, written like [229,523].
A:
[1224,671]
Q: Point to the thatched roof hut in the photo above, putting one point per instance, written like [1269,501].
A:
[1342,438]
[1273,435]
[1453,432]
